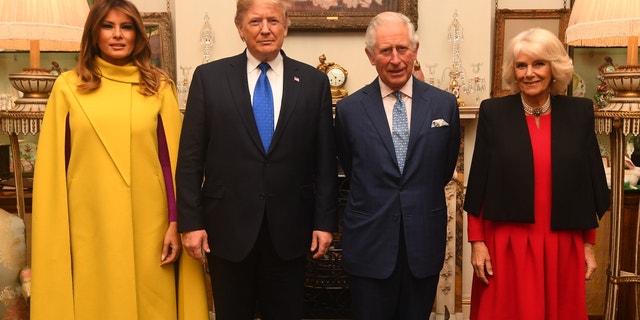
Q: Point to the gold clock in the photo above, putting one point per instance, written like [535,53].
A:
[337,78]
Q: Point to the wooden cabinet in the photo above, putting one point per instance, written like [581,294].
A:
[629,292]
[8,201]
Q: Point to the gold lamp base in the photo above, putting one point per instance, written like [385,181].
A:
[25,117]
[619,118]
[625,81]
[36,85]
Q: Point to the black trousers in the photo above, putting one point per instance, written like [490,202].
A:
[262,283]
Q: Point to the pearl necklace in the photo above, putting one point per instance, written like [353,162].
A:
[536,111]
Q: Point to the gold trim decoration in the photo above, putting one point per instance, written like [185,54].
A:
[307,16]
[160,32]
[521,20]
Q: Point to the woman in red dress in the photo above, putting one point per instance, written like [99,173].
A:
[536,190]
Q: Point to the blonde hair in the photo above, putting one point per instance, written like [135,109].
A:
[541,44]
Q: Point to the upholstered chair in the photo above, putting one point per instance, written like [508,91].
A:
[13,258]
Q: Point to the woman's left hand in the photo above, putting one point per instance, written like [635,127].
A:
[589,261]
[171,246]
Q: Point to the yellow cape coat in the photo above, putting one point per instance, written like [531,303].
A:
[98,227]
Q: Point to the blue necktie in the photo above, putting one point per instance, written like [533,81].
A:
[263,106]
[400,130]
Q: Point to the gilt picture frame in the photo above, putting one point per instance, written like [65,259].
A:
[508,23]
[345,15]
[160,33]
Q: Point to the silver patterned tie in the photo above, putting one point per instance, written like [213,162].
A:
[400,130]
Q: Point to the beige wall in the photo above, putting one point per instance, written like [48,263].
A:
[347,49]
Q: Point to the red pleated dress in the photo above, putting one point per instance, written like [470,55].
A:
[538,273]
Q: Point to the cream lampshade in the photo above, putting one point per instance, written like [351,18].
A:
[610,23]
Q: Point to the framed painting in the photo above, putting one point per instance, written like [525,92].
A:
[509,23]
[345,15]
[159,31]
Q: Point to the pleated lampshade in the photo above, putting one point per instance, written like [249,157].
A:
[605,23]
[55,24]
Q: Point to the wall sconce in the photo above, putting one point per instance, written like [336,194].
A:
[183,87]
[207,38]
[457,81]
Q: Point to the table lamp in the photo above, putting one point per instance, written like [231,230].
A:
[614,23]
[35,25]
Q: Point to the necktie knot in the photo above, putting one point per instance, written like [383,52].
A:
[264,67]
[398,95]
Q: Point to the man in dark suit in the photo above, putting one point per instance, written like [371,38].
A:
[398,141]
[255,201]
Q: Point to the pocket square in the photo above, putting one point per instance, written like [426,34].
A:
[439,123]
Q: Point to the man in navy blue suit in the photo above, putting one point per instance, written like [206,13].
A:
[398,141]
[257,191]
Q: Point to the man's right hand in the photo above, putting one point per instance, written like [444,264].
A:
[196,243]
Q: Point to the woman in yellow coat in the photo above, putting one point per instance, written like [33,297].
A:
[105,240]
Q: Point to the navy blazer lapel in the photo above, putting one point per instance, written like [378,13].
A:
[236,75]
[290,92]
[374,109]
[419,111]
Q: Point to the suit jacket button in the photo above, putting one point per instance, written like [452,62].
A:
[261,196]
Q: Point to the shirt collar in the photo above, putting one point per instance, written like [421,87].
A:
[407,89]
[253,62]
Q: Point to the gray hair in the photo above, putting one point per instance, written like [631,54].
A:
[388,16]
